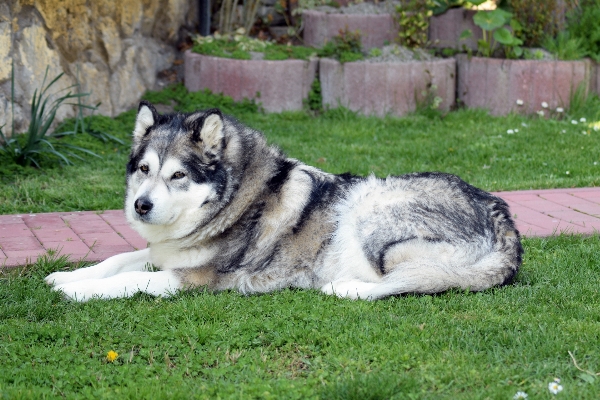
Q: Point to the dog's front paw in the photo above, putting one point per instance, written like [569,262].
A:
[77,291]
[59,278]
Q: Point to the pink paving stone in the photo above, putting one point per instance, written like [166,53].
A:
[17,261]
[114,217]
[15,230]
[569,200]
[95,226]
[116,249]
[131,237]
[32,254]
[72,247]
[590,196]
[10,219]
[20,243]
[517,197]
[575,217]
[541,205]
[103,239]
[55,235]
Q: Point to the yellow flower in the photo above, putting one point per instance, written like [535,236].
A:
[112,356]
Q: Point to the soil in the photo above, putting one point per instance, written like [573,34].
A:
[397,53]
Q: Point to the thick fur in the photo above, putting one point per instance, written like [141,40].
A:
[222,209]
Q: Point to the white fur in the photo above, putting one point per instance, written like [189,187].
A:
[126,284]
[175,212]
[122,275]
[133,261]
[144,120]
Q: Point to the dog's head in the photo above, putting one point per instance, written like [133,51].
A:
[175,174]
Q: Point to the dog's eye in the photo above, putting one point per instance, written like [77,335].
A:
[178,175]
[144,169]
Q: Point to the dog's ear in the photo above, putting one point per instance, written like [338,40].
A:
[207,130]
[146,117]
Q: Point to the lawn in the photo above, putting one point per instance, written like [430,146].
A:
[303,344]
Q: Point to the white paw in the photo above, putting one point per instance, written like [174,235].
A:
[78,291]
[59,278]
[349,289]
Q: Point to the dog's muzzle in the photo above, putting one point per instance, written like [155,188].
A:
[143,205]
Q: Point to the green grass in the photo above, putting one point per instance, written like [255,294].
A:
[303,344]
[469,143]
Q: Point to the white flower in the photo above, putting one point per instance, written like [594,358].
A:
[523,124]
[520,395]
[559,109]
[595,162]
[554,387]
[540,113]
[510,131]
[582,119]
[567,173]
[563,131]
[574,122]
[544,104]
[519,102]
[516,130]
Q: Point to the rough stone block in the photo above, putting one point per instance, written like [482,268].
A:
[445,29]
[497,84]
[376,29]
[382,88]
[276,85]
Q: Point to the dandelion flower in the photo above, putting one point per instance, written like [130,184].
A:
[582,119]
[574,122]
[112,356]
[520,395]
[540,113]
[544,104]
[555,387]
[559,109]
[519,102]
[510,131]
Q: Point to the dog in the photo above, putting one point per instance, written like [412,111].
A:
[222,209]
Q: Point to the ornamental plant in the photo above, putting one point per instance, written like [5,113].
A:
[413,18]
[28,149]
[495,26]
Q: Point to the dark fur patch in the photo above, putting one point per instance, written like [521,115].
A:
[282,172]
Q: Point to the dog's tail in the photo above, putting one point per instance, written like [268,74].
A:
[497,267]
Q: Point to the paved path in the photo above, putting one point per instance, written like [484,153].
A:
[97,235]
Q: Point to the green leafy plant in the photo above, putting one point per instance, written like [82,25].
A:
[441,6]
[315,98]
[239,46]
[27,149]
[565,47]
[413,18]
[344,47]
[538,19]
[582,23]
[494,25]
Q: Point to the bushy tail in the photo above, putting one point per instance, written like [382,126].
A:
[497,267]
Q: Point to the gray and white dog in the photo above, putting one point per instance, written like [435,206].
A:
[221,208]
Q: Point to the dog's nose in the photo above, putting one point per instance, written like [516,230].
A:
[143,205]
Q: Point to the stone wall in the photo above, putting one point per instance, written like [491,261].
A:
[115,48]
